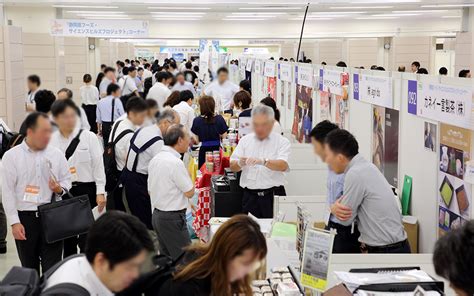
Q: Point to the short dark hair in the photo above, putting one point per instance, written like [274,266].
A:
[242,99]
[270,102]
[60,106]
[151,103]
[87,78]
[147,65]
[443,71]
[103,66]
[245,85]
[136,104]
[107,235]
[188,65]
[463,73]
[109,69]
[112,88]
[31,120]
[222,70]
[67,91]
[380,68]
[180,74]
[162,76]
[131,69]
[422,71]
[453,257]
[125,71]
[34,79]
[173,134]
[322,129]
[186,95]
[416,64]
[341,64]
[196,68]
[44,99]
[342,142]
[127,60]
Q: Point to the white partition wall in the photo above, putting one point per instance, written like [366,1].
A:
[362,52]
[330,51]
[409,49]
[12,90]
[44,56]
[464,52]
[76,63]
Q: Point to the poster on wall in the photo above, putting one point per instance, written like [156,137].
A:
[454,194]
[282,85]
[303,117]
[333,107]
[99,28]
[271,87]
[288,94]
[342,112]
[325,105]
[385,132]
[430,136]
[440,102]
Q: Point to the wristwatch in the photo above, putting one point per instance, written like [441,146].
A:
[265,161]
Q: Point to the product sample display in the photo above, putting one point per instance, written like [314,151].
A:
[461,196]
[446,191]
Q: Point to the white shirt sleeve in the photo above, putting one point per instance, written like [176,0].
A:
[9,177]
[239,150]
[98,170]
[64,176]
[131,85]
[284,150]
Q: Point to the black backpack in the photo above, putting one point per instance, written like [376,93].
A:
[20,281]
[9,140]
[147,84]
[69,289]
[112,175]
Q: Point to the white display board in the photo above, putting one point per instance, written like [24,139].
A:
[269,70]
[285,72]
[330,81]
[304,75]
[376,90]
[451,104]
[99,28]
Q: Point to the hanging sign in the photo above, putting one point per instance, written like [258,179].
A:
[332,81]
[269,70]
[258,66]
[376,90]
[99,28]
[446,103]
[304,75]
[248,67]
[284,71]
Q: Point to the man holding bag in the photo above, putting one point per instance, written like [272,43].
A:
[33,171]
[83,152]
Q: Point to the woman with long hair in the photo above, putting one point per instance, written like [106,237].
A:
[208,128]
[223,266]
[172,100]
[271,103]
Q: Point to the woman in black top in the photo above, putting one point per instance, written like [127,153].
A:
[242,101]
[221,267]
[209,128]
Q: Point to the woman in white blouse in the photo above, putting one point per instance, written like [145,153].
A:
[89,99]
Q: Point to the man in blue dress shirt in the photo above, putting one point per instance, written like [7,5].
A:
[346,240]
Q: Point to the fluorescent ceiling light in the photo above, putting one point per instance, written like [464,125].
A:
[259,13]
[377,18]
[361,7]
[420,11]
[102,15]
[95,12]
[271,8]
[176,13]
[337,12]
[176,16]
[395,14]
[83,6]
[447,5]
[451,16]
[243,19]
[179,7]
[106,18]
[177,19]
[311,19]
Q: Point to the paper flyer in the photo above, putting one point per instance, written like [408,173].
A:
[316,256]
[454,193]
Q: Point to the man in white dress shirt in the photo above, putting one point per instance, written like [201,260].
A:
[122,132]
[262,156]
[33,83]
[84,155]
[181,84]
[33,173]
[144,145]
[222,90]
[129,86]
[160,91]
[112,259]
[184,109]
[170,188]
[109,110]
[109,78]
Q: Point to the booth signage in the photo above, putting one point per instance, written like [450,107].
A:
[99,28]
[332,82]
[355,86]
[269,70]
[248,67]
[305,75]
[258,66]
[376,90]
[285,72]
[321,75]
[445,103]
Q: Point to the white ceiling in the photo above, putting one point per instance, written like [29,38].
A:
[254,10]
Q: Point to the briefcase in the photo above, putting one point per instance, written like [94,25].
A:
[65,218]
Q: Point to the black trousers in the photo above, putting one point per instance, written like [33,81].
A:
[35,251]
[345,241]
[91,116]
[258,202]
[136,193]
[106,130]
[402,247]
[70,244]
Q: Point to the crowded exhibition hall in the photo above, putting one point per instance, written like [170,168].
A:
[236,147]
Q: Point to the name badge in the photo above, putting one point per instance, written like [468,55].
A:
[31,194]
[73,172]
